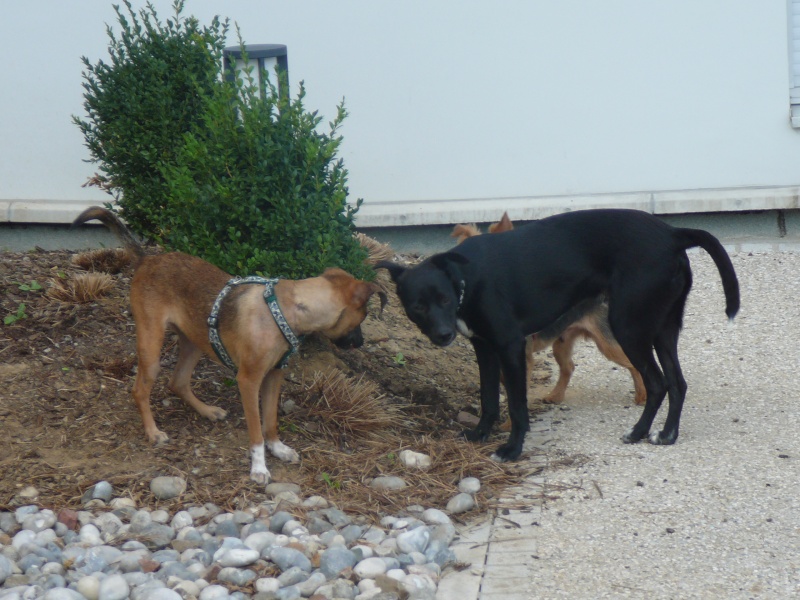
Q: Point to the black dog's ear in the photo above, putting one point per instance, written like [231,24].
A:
[394,269]
[441,259]
[450,263]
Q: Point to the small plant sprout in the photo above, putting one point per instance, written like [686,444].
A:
[17,316]
[33,286]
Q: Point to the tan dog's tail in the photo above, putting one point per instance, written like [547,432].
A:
[462,232]
[112,221]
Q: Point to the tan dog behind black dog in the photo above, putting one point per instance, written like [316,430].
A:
[176,291]
[592,326]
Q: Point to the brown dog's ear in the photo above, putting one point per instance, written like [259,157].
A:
[505,224]
[363,291]
[394,269]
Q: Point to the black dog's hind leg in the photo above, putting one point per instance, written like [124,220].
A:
[666,345]
[656,390]
[636,342]
[489,368]
[657,327]
[667,350]
[513,361]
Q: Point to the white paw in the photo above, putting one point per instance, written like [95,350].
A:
[258,465]
[284,452]
[260,476]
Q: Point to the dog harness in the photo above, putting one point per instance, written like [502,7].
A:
[274,308]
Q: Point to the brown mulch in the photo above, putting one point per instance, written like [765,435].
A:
[67,366]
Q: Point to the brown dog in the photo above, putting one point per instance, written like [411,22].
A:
[592,326]
[177,291]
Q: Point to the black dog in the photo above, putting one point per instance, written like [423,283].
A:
[497,289]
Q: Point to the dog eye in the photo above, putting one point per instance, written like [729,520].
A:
[420,308]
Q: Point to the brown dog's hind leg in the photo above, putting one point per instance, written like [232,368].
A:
[270,399]
[638,385]
[180,383]
[148,347]
[613,352]
[562,352]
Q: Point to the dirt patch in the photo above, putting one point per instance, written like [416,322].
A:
[67,418]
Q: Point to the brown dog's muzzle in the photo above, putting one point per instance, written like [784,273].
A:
[354,339]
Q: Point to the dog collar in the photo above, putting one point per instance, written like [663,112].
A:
[274,309]
[462,286]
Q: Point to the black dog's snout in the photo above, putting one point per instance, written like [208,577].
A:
[354,339]
[443,337]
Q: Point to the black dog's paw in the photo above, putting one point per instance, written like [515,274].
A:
[476,435]
[507,452]
[661,438]
[633,436]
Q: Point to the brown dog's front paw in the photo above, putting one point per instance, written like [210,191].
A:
[214,413]
[258,465]
[157,437]
[260,477]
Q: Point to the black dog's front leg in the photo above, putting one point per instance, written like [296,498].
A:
[512,359]
[489,367]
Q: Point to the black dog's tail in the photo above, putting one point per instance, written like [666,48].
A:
[112,221]
[690,238]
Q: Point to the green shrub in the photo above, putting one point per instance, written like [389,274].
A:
[214,167]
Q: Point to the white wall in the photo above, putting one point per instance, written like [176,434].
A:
[455,100]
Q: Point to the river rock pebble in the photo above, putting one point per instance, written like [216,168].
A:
[166,488]
[102,491]
[469,485]
[6,569]
[109,550]
[415,460]
[388,483]
[415,540]
[434,516]
[460,503]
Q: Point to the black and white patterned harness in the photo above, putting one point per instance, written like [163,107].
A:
[274,308]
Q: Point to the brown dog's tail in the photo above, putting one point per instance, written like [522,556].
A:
[690,238]
[462,232]
[112,221]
